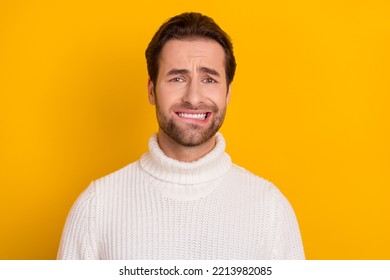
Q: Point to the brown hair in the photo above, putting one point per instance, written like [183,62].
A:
[189,25]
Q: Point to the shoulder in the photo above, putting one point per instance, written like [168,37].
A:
[267,193]
[245,177]
[118,177]
[246,180]
[108,184]
[101,193]
[84,204]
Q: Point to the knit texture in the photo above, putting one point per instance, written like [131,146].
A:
[161,208]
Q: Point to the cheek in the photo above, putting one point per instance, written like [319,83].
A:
[223,103]
[165,101]
[220,97]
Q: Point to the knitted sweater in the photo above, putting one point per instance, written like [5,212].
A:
[161,208]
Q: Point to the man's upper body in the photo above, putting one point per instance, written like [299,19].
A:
[184,199]
[161,208]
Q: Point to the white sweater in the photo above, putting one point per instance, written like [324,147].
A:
[160,208]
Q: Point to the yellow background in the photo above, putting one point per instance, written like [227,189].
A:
[309,111]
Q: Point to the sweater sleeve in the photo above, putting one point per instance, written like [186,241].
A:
[79,237]
[287,242]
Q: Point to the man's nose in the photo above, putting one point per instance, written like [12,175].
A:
[193,94]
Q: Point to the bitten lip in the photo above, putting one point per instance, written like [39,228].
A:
[193,114]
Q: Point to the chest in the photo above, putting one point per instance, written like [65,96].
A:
[159,228]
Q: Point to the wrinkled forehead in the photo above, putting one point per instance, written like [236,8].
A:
[194,52]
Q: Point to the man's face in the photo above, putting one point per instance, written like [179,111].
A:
[191,92]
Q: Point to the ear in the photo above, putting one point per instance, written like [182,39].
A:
[151,93]
[228,93]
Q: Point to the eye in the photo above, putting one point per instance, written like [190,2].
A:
[209,80]
[176,80]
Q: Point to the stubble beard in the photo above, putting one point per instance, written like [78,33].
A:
[190,135]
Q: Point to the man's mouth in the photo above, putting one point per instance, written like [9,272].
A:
[201,116]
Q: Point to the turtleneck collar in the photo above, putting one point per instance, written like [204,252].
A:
[179,174]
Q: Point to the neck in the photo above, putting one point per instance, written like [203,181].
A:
[183,153]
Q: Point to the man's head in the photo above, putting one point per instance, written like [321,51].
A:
[191,66]
[189,26]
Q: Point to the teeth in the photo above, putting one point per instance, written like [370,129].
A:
[193,116]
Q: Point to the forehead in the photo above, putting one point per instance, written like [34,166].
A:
[183,53]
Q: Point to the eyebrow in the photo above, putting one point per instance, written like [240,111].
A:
[177,72]
[207,70]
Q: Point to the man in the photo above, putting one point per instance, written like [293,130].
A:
[184,199]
